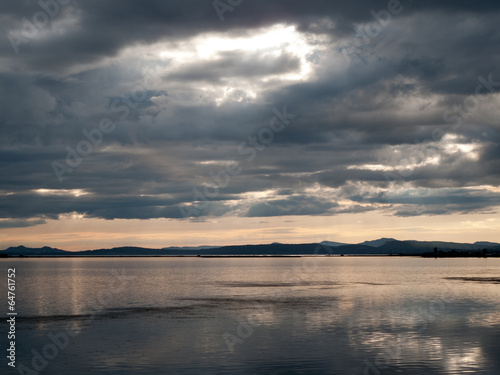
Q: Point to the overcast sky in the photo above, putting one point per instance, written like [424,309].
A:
[158,123]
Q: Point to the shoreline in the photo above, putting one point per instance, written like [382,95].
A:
[251,256]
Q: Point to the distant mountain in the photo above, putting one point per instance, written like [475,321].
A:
[133,251]
[332,244]
[383,246]
[265,249]
[22,250]
[420,247]
[272,249]
[377,243]
[486,244]
[190,248]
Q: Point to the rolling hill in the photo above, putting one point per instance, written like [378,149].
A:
[383,246]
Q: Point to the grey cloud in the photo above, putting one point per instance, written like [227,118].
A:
[295,205]
[350,112]
[434,202]
[20,223]
[103,27]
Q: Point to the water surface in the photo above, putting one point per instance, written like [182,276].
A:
[368,315]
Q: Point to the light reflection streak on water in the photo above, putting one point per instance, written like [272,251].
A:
[346,312]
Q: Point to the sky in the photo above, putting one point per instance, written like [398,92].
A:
[185,123]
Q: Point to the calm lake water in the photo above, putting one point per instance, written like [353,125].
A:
[373,315]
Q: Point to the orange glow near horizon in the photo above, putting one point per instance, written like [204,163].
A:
[83,234]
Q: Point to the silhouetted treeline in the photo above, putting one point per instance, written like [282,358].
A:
[461,254]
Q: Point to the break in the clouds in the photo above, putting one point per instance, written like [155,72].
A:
[148,109]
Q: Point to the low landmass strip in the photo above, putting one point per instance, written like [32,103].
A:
[383,246]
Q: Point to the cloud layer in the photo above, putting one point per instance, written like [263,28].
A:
[149,109]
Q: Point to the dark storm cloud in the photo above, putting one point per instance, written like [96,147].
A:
[20,223]
[296,205]
[104,27]
[364,98]
[37,205]
[434,202]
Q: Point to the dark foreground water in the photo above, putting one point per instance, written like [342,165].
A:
[254,316]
